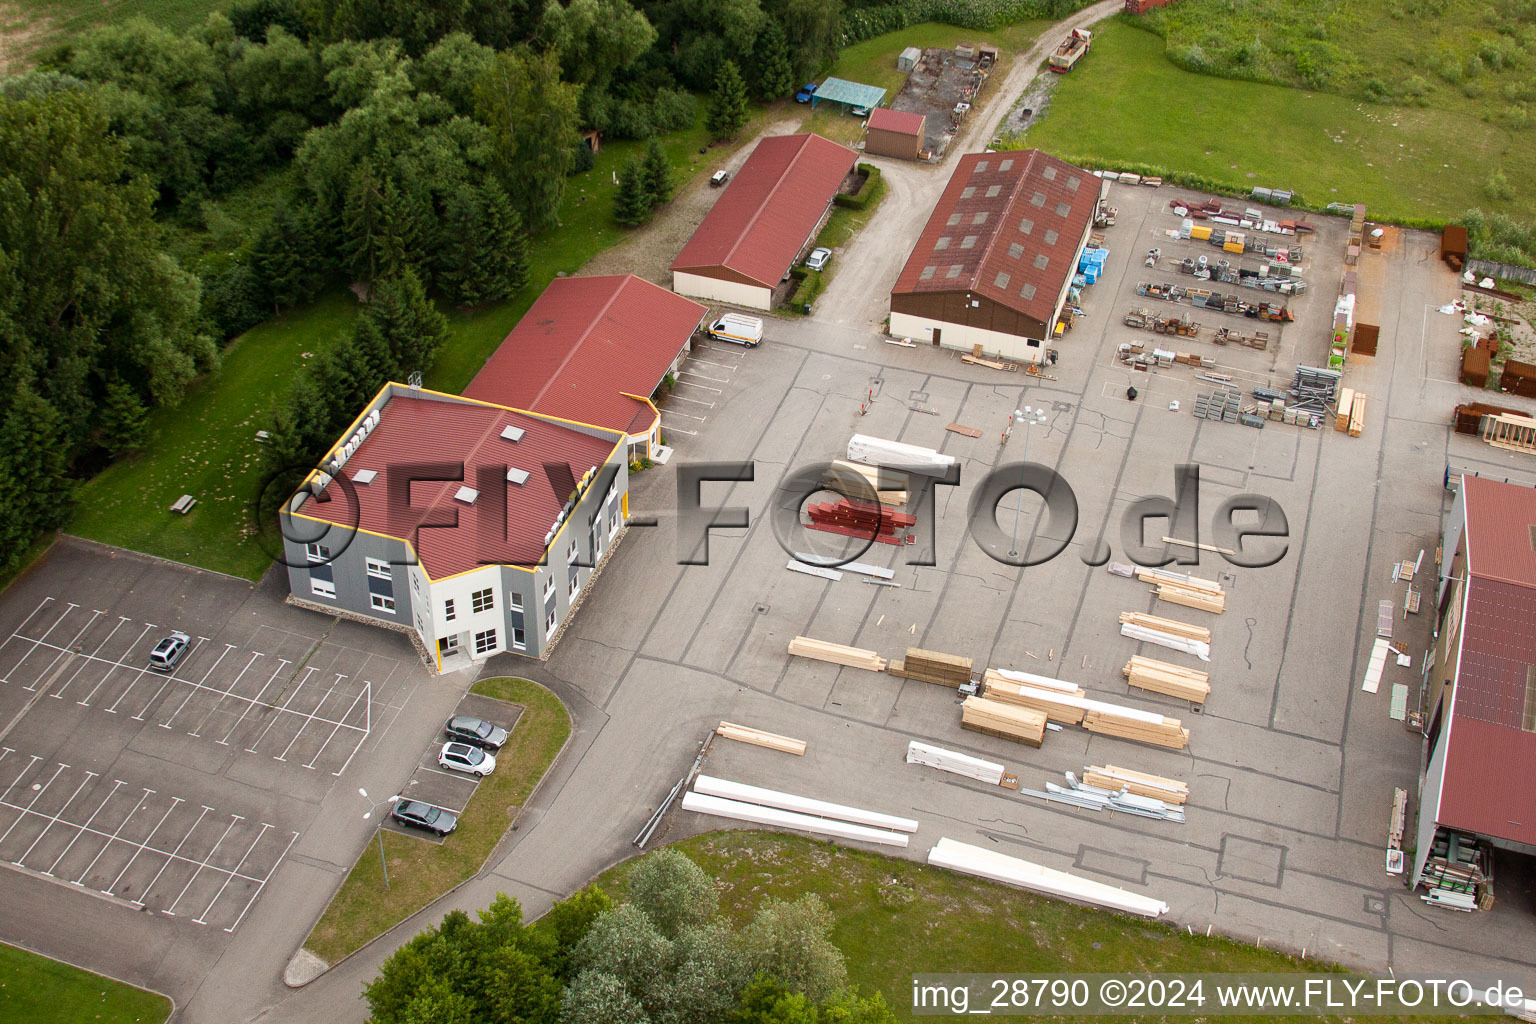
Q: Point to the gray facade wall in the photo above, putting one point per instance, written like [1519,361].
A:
[344,564]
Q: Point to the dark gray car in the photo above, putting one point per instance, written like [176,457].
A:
[422,815]
[475,731]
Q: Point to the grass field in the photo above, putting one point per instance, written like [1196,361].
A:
[1126,102]
[206,446]
[896,918]
[31,24]
[37,990]
[421,871]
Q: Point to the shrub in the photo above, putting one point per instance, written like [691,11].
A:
[1497,187]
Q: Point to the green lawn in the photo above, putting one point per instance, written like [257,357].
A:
[1127,103]
[207,447]
[37,990]
[420,871]
[873,62]
[895,918]
[37,23]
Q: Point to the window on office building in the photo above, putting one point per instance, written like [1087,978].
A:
[449,613]
[549,621]
[515,600]
[379,569]
[520,639]
[549,584]
[485,642]
[322,588]
[382,602]
[483,600]
[317,552]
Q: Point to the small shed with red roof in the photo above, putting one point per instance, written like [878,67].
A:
[896,133]
[767,215]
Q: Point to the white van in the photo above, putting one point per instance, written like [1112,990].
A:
[743,330]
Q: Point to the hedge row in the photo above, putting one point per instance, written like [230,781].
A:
[868,194]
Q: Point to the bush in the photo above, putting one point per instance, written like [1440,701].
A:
[867,194]
[673,109]
[1497,187]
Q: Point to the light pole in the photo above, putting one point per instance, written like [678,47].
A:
[376,805]
[1028,417]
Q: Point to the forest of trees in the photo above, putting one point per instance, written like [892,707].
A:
[665,956]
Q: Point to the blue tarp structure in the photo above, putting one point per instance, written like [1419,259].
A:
[854,94]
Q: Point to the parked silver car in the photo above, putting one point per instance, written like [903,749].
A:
[169,651]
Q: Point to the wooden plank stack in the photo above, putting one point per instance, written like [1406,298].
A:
[860,519]
[1357,415]
[1346,406]
[932,667]
[1170,633]
[758,738]
[1156,787]
[1168,732]
[1026,695]
[1005,721]
[856,480]
[837,654]
[1189,591]
[1172,680]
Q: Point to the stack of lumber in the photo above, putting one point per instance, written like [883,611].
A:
[955,763]
[1170,791]
[932,667]
[1459,872]
[1172,680]
[1189,591]
[1356,414]
[876,451]
[1038,692]
[1346,406]
[1165,732]
[1005,721]
[758,738]
[859,519]
[861,481]
[1178,636]
[837,654]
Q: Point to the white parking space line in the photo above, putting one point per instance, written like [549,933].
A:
[680,430]
[282,663]
[308,717]
[6,795]
[701,376]
[59,693]
[197,730]
[171,677]
[367,728]
[362,696]
[169,857]
[689,415]
[462,777]
[203,917]
[701,387]
[308,673]
[206,862]
[119,663]
[27,809]
[693,401]
[90,776]
[121,825]
[116,785]
[718,366]
[36,643]
[201,684]
[69,646]
[263,883]
[176,802]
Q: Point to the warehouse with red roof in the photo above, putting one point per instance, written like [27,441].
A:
[1479,785]
[992,268]
[593,350]
[896,133]
[767,215]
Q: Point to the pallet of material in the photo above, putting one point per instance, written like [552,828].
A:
[979,361]
[1170,626]
[1357,415]
[1180,580]
[1024,695]
[1198,599]
[1168,732]
[837,654]
[960,428]
[911,458]
[1109,777]
[859,519]
[758,738]
[1170,680]
[932,667]
[860,481]
[1005,721]
[957,763]
[1346,406]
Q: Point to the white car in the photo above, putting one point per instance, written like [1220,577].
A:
[818,259]
[461,757]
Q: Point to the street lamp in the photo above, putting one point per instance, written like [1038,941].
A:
[1028,417]
[376,805]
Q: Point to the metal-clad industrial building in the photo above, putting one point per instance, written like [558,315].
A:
[767,215]
[992,267]
[1481,702]
[471,527]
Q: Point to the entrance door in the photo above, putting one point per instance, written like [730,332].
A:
[936,332]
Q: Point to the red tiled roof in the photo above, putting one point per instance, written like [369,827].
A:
[1501,530]
[417,430]
[1489,759]
[769,209]
[901,121]
[584,345]
[999,214]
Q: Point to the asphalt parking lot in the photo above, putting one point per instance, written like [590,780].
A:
[1291,767]
[433,784]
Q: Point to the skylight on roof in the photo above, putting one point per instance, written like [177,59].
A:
[364,476]
[511,433]
[517,476]
[466,494]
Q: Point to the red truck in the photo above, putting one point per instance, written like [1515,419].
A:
[1071,51]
